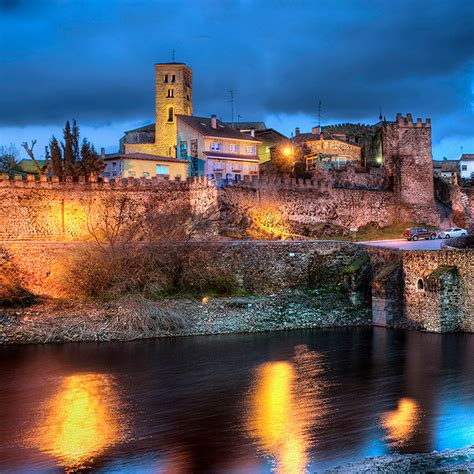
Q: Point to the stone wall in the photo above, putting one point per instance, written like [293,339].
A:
[439,290]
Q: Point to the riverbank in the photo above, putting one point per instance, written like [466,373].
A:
[134,317]
[458,460]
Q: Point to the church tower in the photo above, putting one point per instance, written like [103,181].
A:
[174,95]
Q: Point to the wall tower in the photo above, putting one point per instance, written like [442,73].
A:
[174,95]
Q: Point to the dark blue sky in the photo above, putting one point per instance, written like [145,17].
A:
[93,60]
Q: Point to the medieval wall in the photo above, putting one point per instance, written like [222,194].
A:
[438,283]
[63,211]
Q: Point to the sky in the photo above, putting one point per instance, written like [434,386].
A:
[92,60]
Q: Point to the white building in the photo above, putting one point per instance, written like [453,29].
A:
[466,164]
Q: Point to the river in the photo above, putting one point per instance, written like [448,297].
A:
[285,401]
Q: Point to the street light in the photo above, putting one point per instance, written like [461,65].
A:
[289,151]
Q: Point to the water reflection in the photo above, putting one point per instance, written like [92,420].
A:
[81,421]
[284,406]
[401,424]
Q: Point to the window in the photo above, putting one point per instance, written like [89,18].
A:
[170,93]
[238,177]
[173,78]
[170,114]
[420,285]
[131,173]
[464,167]
[216,146]
[114,169]
[251,150]
[146,174]
[166,78]
[234,148]
[183,150]
[162,169]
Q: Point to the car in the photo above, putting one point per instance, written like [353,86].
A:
[453,232]
[415,233]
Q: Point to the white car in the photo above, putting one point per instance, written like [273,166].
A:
[453,232]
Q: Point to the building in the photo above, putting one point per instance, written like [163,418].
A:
[323,149]
[143,165]
[151,150]
[466,164]
[446,169]
[217,150]
[268,136]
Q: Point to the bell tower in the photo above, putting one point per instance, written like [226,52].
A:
[174,95]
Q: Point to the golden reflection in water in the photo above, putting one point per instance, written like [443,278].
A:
[284,405]
[401,424]
[81,420]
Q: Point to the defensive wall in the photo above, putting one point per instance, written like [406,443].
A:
[426,290]
[47,209]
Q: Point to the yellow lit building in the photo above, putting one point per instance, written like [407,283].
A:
[142,165]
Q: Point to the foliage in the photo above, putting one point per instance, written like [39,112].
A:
[90,163]
[267,222]
[290,159]
[9,155]
[56,157]
[12,292]
[68,146]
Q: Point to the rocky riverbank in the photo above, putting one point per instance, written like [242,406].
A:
[458,460]
[134,317]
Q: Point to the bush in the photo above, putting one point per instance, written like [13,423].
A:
[12,292]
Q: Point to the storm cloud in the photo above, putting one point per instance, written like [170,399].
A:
[93,60]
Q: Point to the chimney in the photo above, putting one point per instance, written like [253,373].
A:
[252,132]
[316,130]
[102,153]
[213,121]
[297,131]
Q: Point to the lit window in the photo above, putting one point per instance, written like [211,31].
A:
[170,93]
[251,149]
[234,148]
[170,114]
[216,146]
[162,169]
[146,174]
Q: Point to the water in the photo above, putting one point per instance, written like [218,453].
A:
[290,402]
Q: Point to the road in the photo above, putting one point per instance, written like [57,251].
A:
[403,244]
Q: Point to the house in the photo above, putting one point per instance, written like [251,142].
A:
[446,169]
[268,136]
[328,150]
[217,150]
[143,165]
[466,164]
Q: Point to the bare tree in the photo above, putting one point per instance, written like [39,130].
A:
[8,156]
[30,150]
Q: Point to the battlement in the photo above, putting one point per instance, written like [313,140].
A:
[92,182]
[408,121]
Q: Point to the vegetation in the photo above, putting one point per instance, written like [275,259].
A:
[9,155]
[373,232]
[11,291]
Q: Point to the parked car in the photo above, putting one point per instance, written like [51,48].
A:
[453,232]
[415,233]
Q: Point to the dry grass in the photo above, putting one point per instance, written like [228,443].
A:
[131,317]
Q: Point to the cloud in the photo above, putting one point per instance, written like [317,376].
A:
[94,60]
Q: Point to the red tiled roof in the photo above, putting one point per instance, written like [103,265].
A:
[203,126]
[230,156]
[467,157]
[143,156]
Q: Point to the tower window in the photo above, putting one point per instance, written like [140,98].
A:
[170,114]
[166,78]
[170,93]
[173,78]
[420,285]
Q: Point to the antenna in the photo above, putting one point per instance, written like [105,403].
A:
[172,57]
[232,106]
[319,115]
[239,117]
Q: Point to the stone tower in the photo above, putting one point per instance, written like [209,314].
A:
[408,161]
[174,95]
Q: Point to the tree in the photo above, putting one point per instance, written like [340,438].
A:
[75,141]
[91,163]
[288,158]
[30,150]
[56,157]
[68,151]
[9,155]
